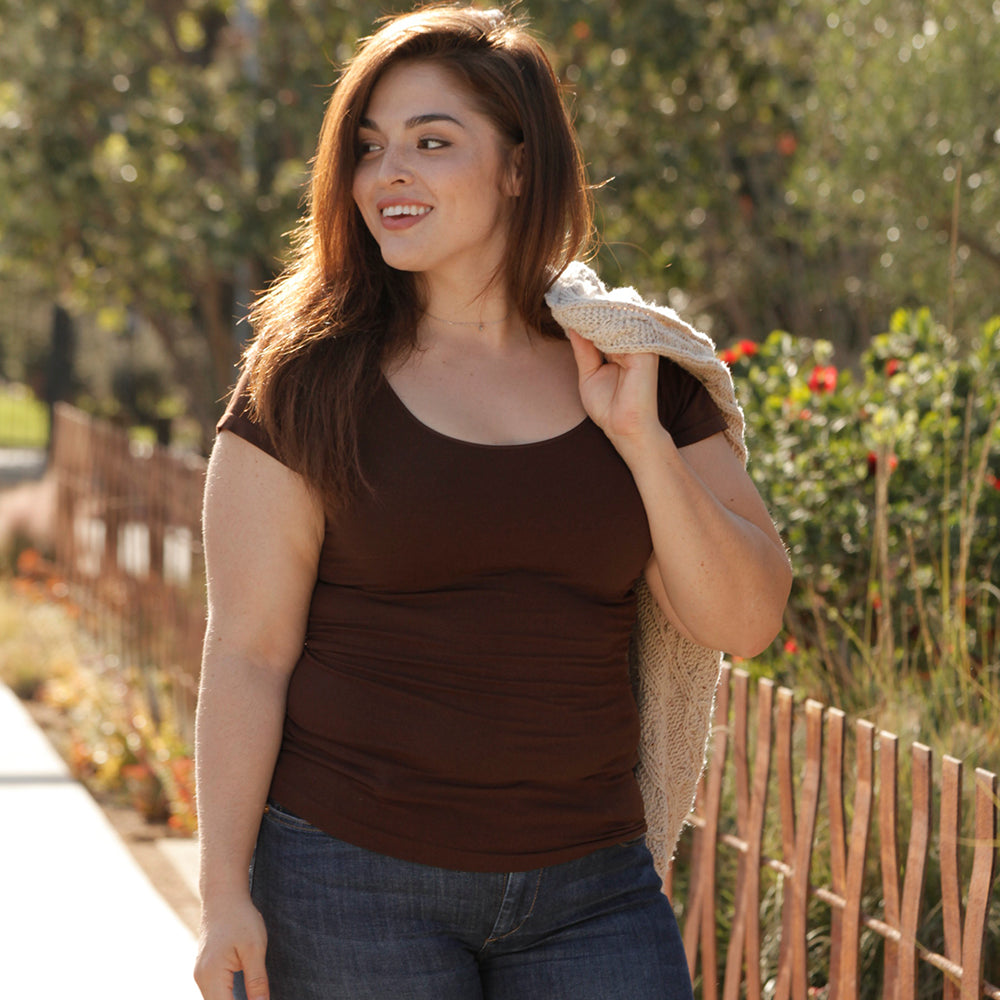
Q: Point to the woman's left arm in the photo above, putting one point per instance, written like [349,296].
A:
[719,568]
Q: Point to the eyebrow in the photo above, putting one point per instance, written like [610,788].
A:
[417,120]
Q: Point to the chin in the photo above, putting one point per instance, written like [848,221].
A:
[409,262]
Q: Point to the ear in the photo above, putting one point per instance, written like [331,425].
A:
[514,174]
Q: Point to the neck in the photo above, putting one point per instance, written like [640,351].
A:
[473,337]
[480,324]
[453,313]
[462,298]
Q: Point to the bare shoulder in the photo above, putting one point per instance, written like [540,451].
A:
[263,530]
[247,482]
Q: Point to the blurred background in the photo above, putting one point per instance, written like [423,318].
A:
[791,164]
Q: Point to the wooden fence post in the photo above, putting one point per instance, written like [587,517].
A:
[980,885]
[921,790]
[888,822]
[850,972]
[744,945]
[835,723]
[951,900]
[110,492]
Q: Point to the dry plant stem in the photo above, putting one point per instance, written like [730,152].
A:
[953,256]
[972,490]
[918,591]
[946,544]
[863,649]
[834,668]
[886,639]
[869,591]
[964,540]
[991,651]
[945,568]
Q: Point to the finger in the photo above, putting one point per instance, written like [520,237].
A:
[638,360]
[588,357]
[255,973]
[255,982]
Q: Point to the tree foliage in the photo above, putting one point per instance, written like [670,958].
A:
[158,152]
[901,139]
[769,164]
[792,163]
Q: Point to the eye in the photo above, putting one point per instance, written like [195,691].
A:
[366,147]
[431,143]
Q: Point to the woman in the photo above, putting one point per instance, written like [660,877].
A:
[424,518]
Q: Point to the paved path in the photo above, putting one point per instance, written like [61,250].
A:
[79,920]
[19,464]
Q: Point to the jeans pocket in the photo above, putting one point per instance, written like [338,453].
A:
[289,820]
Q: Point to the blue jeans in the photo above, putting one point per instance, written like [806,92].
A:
[345,923]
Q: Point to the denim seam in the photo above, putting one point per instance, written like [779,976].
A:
[531,909]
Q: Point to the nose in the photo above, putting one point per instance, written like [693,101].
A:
[394,166]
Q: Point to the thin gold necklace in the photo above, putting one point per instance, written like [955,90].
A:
[467,322]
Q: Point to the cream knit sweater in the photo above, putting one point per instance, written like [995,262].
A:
[674,679]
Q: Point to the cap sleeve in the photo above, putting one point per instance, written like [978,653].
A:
[238,421]
[686,407]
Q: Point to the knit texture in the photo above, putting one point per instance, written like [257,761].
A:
[673,678]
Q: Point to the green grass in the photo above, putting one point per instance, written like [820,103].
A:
[24,421]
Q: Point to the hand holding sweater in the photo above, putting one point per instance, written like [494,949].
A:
[719,570]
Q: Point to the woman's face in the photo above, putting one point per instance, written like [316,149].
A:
[434,179]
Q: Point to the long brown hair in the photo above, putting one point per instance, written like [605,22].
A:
[338,312]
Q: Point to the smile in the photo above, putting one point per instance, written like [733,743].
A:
[391,211]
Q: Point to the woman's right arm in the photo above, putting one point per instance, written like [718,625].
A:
[263,531]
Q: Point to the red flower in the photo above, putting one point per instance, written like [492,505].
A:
[992,480]
[744,349]
[823,378]
[805,414]
[891,367]
[873,463]
[791,646]
[787,143]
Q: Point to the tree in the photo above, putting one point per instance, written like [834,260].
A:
[773,163]
[792,164]
[157,151]
[901,118]
[687,112]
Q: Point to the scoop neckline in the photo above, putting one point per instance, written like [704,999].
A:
[462,442]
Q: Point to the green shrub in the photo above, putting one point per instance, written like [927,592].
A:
[885,487]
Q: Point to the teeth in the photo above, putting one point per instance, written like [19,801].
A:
[394,210]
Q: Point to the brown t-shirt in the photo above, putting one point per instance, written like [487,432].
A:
[462,698]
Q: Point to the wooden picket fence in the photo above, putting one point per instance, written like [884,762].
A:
[128,542]
[820,955]
[758,918]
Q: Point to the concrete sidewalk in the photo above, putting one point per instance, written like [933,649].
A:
[78,916]
[20,464]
